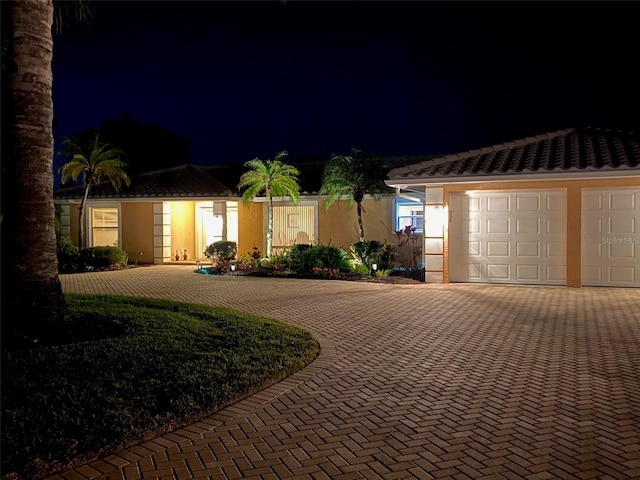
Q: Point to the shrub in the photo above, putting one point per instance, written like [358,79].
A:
[324,256]
[277,262]
[68,254]
[361,269]
[249,260]
[372,252]
[298,260]
[103,257]
[223,251]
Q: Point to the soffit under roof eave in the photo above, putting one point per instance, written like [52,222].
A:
[526,177]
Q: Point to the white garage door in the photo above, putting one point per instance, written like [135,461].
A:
[508,237]
[610,237]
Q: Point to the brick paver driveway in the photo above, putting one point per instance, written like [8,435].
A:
[414,381]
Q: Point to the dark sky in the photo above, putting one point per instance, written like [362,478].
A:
[248,79]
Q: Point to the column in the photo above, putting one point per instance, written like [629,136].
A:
[434,223]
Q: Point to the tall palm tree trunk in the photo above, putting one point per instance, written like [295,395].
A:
[32,294]
[360,225]
[81,215]
[269,223]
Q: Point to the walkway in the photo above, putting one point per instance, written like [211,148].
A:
[414,382]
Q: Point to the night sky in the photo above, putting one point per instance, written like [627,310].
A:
[248,79]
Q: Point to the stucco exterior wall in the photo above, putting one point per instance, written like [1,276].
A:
[250,227]
[338,226]
[574,212]
[73,223]
[137,231]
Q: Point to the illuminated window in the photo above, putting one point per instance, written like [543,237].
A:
[294,224]
[408,213]
[104,227]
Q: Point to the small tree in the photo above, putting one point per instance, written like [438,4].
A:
[93,162]
[354,176]
[275,179]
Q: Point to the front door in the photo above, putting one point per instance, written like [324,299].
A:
[209,225]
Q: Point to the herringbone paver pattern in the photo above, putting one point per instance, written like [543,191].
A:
[414,381]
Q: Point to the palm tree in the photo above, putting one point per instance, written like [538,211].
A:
[32,295]
[353,176]
[94,162]
[275,179]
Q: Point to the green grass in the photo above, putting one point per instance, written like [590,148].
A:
[128,366]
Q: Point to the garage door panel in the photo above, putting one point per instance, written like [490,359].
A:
[592,249]
[556,249]
[556,226]
[592,202]
[591,275]
[622,251]
[528,249]
[474,226]
[473,204]
[528,225]
[556,202]
[610,240]
[498,249]
[528,203]
[498,203]
[622,201]
[622,275]
[511,237]
[556,274]
[498,225]
[528,272]
[475,271]
[474,249]
[593,227]
[622,226]
[498,272]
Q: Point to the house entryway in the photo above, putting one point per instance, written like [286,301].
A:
[215,221]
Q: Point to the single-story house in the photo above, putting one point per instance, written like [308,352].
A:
[172,215]
[561,208]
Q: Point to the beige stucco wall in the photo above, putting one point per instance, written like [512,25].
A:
[250,227]
[574,212]
[73,223]
[137,231]
[338,226]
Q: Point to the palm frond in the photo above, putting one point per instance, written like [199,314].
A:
[269,176]
[70,12]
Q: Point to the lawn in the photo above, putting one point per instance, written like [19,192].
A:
[129,366]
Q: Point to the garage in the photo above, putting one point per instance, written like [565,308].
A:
[511,237]
[562,208]
[610,237]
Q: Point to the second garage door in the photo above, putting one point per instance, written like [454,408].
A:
[514,237]
[611,237]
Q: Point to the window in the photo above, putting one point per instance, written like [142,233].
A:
[408,213]
[294,225]
[104,227]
